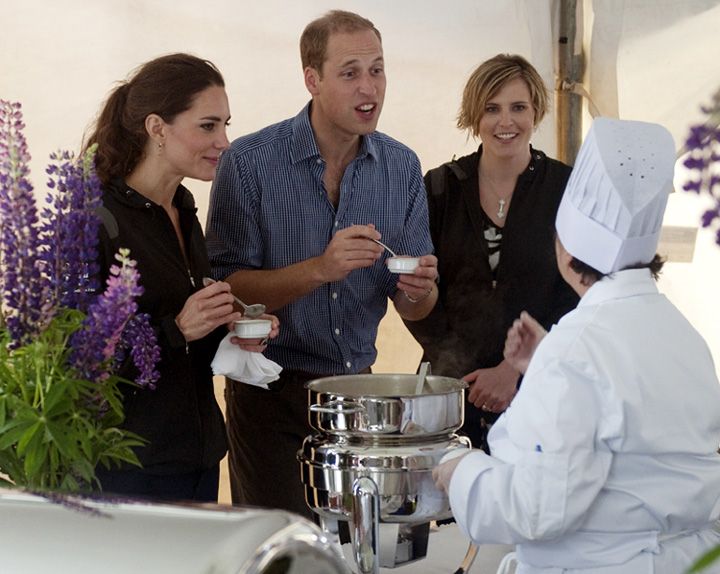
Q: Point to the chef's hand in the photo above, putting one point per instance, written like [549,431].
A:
[257,345]
[492,389]
[205,310]
[442,473]
[522,339]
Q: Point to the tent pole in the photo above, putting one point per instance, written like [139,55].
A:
[570,71]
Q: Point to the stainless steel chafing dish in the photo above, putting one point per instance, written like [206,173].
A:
[370,462]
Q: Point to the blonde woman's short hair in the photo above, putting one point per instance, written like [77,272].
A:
[489,78]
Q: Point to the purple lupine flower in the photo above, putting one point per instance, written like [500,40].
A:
[94,345]
[70,232]
[714,180]
[694,163]
[52,264]
[693,185]
[709,216]
[24,288]
[703,161]
[47,286]
[140,338]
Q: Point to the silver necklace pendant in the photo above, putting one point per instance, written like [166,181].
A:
[501,208]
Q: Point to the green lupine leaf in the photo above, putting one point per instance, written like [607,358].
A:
[35,457]
[114,402]
[25,416]
[10,464]
[28,436]
[85,444]
[69,484]
[57,399]
[13,432]
[84,469]
[705,560]
[3,409]
[120,454]
[64,443]
[54,460]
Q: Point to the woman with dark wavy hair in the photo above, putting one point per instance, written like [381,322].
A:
[167,122]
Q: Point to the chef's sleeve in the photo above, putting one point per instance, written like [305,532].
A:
[551,462]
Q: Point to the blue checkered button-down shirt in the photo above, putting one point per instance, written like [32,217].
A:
[269,209]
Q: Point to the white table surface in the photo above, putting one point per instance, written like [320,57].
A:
[446,549]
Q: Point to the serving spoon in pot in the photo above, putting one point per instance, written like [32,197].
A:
[422,374]
[250,311]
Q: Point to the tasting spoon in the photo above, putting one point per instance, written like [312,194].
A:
[381,244]
[251,311]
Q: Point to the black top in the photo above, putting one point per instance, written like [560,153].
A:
[466,330]
[181,417]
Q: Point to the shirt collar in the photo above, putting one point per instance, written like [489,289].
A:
[304,146]
[620,285]
[183,198]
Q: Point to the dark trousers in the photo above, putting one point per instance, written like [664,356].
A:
[266,428]
[200,486]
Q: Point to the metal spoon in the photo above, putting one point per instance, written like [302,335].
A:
[381,244]
[251,311]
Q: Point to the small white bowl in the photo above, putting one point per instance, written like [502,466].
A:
[404,265]
[253,328]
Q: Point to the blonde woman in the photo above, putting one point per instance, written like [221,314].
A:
[491,219]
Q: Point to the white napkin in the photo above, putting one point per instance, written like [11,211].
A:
[244,366]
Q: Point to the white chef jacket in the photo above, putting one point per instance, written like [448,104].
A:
[606,461]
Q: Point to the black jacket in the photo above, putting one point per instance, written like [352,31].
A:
[466,330]
[180,418]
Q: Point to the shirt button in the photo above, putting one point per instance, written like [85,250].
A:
[148,205]
[334,295]
[337,331]
[318,161]
[337,223]
[348,364]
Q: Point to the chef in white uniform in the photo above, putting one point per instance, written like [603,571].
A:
[606,461]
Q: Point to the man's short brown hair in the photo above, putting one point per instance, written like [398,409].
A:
[314,39]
